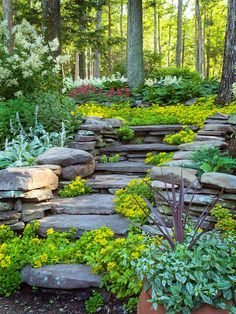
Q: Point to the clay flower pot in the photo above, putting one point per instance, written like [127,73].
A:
[145,307]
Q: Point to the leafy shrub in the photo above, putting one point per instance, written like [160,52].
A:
[226,222]
[105,158]
[125,133]
[183,72]
[128,200]
[212,160]
[53,109]
[184,136]
[182,279]
[31,65]
[75,188]
[95,302]
[158,159]
[26,145]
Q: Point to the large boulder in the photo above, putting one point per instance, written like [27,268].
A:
[219,180]
[60,276]
[174,174]
[27,179]
[64,156]
[82,170]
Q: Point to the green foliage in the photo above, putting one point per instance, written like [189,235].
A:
[226,222]
[105,158]
[182,279]
[212,160]
[131,305]
[158,159]
[26,145]
[183,72]
[75,188]
[130,203]
[125,133]
[94,303]
[109,256]
[184,136]
[53,109]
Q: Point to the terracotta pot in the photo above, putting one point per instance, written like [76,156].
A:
[145,307]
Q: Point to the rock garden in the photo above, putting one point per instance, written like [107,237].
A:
[115,197]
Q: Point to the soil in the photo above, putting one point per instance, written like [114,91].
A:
[31,301]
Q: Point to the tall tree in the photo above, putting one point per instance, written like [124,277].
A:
[179,34]
[8,18]
[109,38]
[229,62]
[199,39]
[135,66]
[51,13]
[97,53]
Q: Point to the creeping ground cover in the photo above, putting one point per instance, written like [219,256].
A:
[179,114]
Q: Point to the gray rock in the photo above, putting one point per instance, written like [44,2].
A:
[64,156]
[114,122]
[161,128]
[179,163]
[82,170]
[182,155]
[113,181]
[92,127]
[140,147]
[60,276]
[88,146]
[218,127]
[212,133]
[219,180]
[17,226]
[6,206]
[190,101]
[82,223]
[84,138]
[11,215]
[11,194]
[196,199]
[174,174]
[123,167]
[229,197]
[209,138]
[38,195]
[92,204]
[55,168]
[32,211]
[153,139]
[160,185]
[201,144]
[27,178]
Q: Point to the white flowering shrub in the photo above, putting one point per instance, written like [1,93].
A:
[30,65]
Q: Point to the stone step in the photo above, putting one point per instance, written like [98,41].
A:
[61,277]
[81,223]
[209,138]
[200,144]
[91,204]
[139,148]
[112,181]
[161,128]
[127,167]
[212,133]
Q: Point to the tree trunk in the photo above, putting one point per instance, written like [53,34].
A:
[89,63]
[51,13]
[76,66]
[183,49]
[155,29]
[229,73]
[208,50]
[179,34]
[122,30]
[200,47]
[109,38]
[135,66]
[169,45]
[82,65]
[8,18]
[97,54]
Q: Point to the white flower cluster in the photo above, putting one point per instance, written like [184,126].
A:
[30,61]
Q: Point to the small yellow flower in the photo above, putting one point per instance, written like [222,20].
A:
[50,231]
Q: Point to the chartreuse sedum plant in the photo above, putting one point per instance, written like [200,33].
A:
[124,201]
[125,133]
[225,220]
[94,303]
[191,267]
[77,187]
[114,158]
[184,136]
[158,159]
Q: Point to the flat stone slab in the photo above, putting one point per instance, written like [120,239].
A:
[83,145]
[140,148]
[83,170]
[110,181]
[196,199]
[91,204]
[180,163]
[123,167]
[27,179]
[219,180]
[174,174]
[182,155]
[209,138]
[60,276]
[64,156]
[161,127]
[81,223]
[200,144]
[218,127]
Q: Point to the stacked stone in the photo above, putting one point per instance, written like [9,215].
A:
[24,194]
[96,133]
[73,162]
